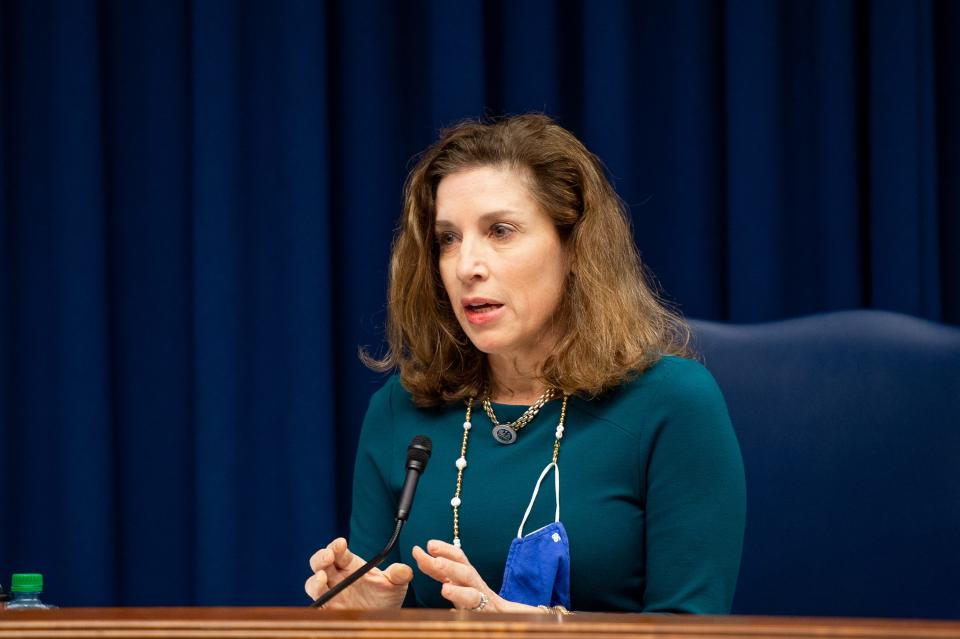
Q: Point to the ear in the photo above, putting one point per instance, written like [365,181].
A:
[570,258]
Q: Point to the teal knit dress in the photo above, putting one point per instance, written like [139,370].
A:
[652,490]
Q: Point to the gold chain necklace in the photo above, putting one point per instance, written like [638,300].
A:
[461,462]
[507,433]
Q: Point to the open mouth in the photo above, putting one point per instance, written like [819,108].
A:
[482,308]
[481,311]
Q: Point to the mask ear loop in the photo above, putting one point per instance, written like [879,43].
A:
[536,489]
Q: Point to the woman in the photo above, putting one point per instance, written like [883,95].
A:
[515,283]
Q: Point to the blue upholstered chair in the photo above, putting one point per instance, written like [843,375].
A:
[849,425]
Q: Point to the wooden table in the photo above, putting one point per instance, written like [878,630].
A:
[302,623]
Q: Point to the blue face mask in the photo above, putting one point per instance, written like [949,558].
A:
[537,572]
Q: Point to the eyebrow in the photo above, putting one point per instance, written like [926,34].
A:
[486,217]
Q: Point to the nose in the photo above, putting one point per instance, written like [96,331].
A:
[472,261]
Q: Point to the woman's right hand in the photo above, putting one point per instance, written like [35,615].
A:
[376,589]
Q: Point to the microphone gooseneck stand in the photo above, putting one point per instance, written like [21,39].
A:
[333,592]
[418,453]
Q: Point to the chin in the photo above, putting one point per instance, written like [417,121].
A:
[484,348]
[485,344]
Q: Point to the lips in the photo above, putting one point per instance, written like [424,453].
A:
[481,310]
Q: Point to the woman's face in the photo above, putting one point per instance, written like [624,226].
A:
[501,261]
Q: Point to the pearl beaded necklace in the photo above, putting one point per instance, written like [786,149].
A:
[461,462]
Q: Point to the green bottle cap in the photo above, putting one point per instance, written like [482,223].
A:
[26,582]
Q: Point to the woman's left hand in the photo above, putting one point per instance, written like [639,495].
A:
[462,584]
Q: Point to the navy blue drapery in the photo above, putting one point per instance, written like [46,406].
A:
[198,200]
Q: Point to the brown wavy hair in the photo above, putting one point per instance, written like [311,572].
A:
[612,323]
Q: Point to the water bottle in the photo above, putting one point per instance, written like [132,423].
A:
[26,589]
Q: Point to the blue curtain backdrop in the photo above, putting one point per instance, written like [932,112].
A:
[198,200]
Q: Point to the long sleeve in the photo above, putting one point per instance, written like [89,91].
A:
[374,501]
[695,499]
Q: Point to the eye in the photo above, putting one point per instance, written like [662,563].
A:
[445,239]
[501,231]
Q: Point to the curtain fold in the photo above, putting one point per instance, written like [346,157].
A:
[197,202]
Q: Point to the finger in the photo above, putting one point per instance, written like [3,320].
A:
[342,557]
[316,585]
[445,570]
[321,559]
[398,574]
[439,548]
[462,597]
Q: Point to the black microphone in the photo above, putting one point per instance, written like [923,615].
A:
[418,453]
